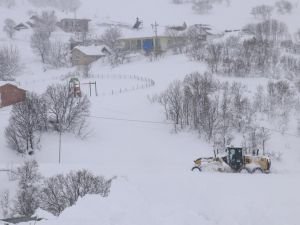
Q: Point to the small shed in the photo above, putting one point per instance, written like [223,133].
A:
[74,25]
[85,55]
[11,94]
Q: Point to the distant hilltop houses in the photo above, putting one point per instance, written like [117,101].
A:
[137,37]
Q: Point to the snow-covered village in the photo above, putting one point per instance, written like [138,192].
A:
[149,112]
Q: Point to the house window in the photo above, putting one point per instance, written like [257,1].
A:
[139,44]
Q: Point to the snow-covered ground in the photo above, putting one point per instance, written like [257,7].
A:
[152,163]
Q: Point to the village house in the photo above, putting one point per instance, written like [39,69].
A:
[85,55]
[161,39]
[74,25]
[145,43]
[11,94]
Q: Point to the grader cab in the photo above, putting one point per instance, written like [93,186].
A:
[235,160]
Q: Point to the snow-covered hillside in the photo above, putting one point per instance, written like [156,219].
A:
[130,138]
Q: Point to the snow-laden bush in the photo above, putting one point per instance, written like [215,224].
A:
[62,191]
[52,194]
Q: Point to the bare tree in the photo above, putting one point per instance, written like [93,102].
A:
[284,7]
[196,42]
[178,40]
[5,204]
[28,174]
[202,6]
[175,95]
[66,112]
[213,57]
[110,37]
[263,12]
[40,43]
[9,63]
[9,28]
[26,202]
[46,22]
[23,131]
[58,54]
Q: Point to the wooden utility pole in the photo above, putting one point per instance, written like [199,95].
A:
[90,87]
[263,130]
[59,148]
[154,27]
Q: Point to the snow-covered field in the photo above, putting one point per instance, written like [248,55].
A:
[130,139]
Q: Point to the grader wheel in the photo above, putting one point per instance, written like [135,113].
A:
[196,168]
[245,170]
[257,171]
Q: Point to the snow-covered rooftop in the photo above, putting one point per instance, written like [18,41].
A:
[93,50]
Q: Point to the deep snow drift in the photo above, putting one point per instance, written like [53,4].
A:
[152,163]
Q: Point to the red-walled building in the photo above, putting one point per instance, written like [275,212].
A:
[11,94]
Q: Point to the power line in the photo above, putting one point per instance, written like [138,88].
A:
[168,123]
[130,120]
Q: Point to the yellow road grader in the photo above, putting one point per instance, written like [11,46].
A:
[234,160]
